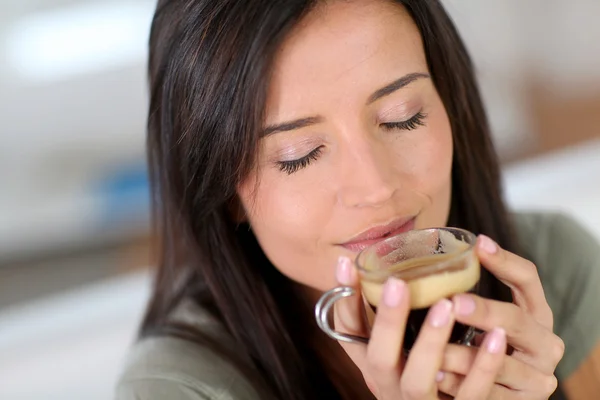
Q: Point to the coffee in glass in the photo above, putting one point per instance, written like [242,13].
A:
[435,263]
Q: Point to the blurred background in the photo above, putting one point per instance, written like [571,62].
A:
[74,251]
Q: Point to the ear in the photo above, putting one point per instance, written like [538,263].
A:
[237,211]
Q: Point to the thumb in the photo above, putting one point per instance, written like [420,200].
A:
[349,312]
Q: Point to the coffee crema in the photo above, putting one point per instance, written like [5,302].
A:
[459,272]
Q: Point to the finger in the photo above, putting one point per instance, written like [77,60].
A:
[524,333]
[348,313]
[384,352]
[513,373]
[520,275]
[481,379]
[426,356]
[450,384]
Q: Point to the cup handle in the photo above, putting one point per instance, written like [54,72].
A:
[322,308]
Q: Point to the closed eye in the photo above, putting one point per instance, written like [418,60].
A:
[292,166]
[410,124]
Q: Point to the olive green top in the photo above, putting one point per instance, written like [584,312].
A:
[568,260]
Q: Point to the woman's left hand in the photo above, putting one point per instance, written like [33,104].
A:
[527,373]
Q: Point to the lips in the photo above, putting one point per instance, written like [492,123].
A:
[378,233]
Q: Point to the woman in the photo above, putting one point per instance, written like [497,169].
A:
[286,135]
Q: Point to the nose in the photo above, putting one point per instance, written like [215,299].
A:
[367,178]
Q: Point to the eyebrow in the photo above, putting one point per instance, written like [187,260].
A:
[396,85]
[290,126]
[308,121]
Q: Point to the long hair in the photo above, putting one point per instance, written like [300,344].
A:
[209,69]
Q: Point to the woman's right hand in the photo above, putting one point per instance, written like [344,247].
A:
[386,372]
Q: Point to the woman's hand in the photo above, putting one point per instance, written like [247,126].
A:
[388,375]
[528,373]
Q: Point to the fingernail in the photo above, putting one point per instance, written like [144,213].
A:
[464,305]
[371,387]
[495,340]
[392,292]
[439,377]
[488,245]
[439,315]
[343,270]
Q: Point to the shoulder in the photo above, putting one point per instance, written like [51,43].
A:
[552,239]
[568,260]
[566,254]
[178,369]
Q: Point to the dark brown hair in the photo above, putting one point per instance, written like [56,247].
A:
[209,70]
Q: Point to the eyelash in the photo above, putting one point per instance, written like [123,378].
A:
[410,124]
[289,167]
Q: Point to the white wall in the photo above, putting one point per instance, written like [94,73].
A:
[511,41]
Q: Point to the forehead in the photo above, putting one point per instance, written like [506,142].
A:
[345,45]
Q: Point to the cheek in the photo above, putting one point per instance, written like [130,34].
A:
[431,167]
[288,223]
[436,169]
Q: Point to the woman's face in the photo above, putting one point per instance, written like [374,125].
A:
[357,142]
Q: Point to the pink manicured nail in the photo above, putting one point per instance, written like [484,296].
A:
[392,292]
[439,315]
[495,340]
[439,376]
[488,245]
[464,305]
[370,386]
[343,270]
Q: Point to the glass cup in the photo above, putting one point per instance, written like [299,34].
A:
[435,263]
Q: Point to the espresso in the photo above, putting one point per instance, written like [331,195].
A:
[458,273]
[415,320]
[428,286]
